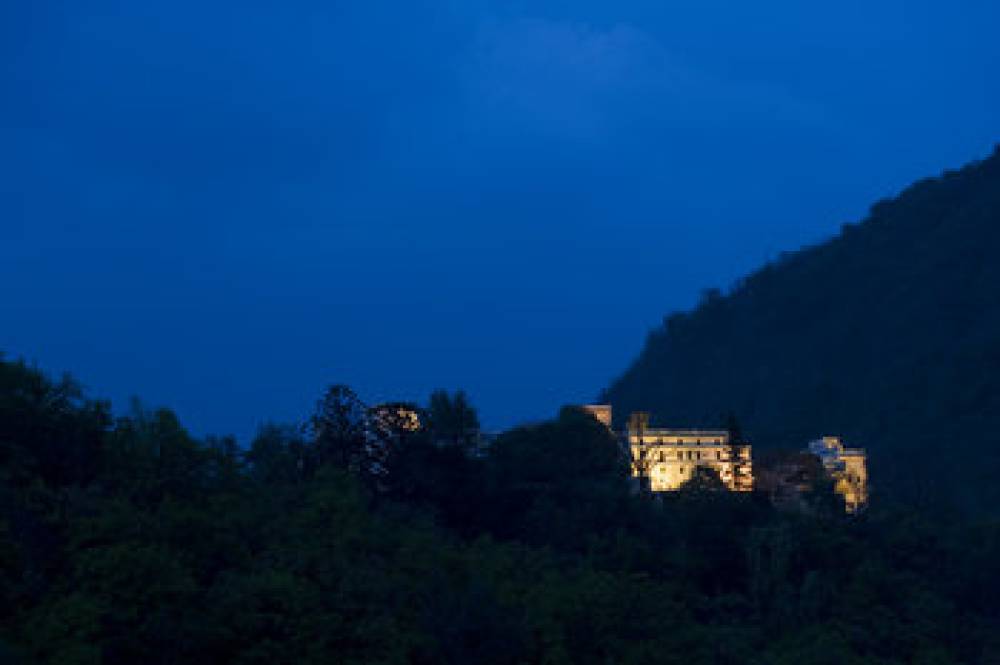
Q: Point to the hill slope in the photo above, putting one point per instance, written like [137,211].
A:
[888,334]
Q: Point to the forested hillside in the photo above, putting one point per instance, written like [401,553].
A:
[125,540]
[888,334]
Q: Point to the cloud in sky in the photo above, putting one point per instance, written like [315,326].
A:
[573,78]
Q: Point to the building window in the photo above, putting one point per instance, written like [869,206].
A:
[718,454]
[680,454]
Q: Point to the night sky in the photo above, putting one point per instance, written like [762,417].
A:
[224,207]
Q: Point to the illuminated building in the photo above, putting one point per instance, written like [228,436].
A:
[847,467]
[601,412]
[394,417]
[386,426]
[664,459]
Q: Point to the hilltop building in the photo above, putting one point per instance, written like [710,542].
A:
[387,425]
[663,459]
[848,467]
[393,417]
[601,412]
[666,458]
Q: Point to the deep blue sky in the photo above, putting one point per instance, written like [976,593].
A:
[221,208]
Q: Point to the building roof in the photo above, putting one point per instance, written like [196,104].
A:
[673,431]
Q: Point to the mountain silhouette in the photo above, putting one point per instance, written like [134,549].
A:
[887,334]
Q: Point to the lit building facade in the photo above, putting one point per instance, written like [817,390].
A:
[393,417]
[387,425]
[664,459]
[601,413]
[848,467]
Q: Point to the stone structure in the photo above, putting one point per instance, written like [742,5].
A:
[848,467]
[393,417]
[601,412]
[664,459]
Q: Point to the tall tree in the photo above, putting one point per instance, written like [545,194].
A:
[277,455]
[453,420]
[737,442]
[338,429]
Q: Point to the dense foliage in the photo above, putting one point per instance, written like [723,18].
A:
[125,540]
[888,334]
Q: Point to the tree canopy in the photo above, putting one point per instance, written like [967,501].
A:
[127,540]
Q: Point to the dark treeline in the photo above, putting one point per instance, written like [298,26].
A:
[125,540]
[888,334]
